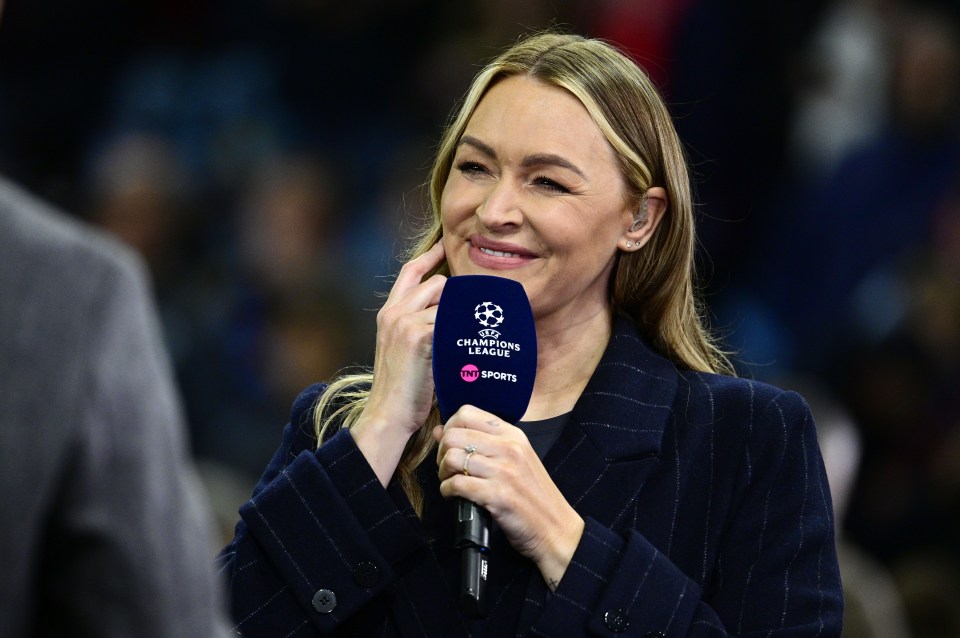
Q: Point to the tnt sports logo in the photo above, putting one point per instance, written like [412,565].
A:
[489,314]
[471,373]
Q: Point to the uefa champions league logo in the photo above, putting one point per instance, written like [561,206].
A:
[490,315]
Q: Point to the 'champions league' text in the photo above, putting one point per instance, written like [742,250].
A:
[489,347]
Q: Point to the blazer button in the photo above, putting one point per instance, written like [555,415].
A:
[655,634]
[615,620]
[366,574]
[324,601]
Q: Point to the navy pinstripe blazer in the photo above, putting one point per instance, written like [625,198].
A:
[706,505]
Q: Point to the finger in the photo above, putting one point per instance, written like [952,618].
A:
[421,295]
[412,273]
[416,268]
[473,418]
[452,435]
[403,330]
[401,333]
[470,425]
[459,461]
[421,320]
[471,488]
[456,445]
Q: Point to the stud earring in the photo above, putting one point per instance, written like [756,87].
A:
[629,244]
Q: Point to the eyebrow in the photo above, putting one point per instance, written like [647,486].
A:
[537,159]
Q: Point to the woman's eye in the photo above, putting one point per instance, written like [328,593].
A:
[471,168]
[549,184]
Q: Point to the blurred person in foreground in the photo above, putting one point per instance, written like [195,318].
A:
[672,499]
[105,531]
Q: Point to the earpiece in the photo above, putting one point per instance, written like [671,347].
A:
[640,218]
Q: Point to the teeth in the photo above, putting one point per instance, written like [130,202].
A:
[497,253]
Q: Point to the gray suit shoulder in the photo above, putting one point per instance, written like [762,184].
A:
[39,238]
[94,429]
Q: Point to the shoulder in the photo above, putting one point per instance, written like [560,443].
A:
[42,244]
[740,407]
[69,291]
[73,296]
[726,390]
[694,397]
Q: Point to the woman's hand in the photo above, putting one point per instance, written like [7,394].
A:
[505,477]
[402,391]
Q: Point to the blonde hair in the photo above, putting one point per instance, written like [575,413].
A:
[654,286]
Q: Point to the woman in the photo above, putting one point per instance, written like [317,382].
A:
[673,500]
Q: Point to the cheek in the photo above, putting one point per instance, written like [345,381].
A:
[455,204]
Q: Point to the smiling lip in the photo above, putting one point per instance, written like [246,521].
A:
[497,255]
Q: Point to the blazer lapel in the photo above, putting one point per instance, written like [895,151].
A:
[612,441]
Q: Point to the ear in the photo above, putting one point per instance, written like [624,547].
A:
[651,209]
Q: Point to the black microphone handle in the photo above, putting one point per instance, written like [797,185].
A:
[473,539]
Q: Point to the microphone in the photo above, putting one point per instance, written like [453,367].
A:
[485,355]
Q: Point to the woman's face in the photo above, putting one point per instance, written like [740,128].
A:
[535,195]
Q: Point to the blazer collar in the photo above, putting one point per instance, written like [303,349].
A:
[620,417]
[626,404]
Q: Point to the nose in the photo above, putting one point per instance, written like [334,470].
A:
[502,205]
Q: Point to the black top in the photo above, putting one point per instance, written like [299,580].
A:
[543,434]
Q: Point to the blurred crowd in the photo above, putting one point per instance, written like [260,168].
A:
[266,157]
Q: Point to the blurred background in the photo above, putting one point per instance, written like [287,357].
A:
[266,158]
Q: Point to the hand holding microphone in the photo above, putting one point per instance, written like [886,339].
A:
[508,480]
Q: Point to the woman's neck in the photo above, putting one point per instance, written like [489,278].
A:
[567,355]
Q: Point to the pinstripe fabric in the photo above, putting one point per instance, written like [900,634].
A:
[705,499]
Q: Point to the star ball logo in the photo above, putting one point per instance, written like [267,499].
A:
[490,315]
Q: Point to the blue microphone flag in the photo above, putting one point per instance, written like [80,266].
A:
[484,347]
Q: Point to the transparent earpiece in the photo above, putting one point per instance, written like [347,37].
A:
[640,218]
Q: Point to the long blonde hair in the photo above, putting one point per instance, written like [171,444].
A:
[654,286]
